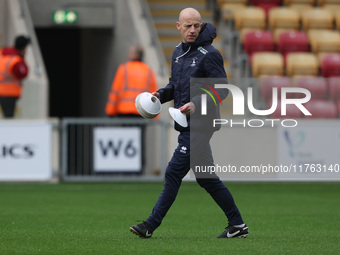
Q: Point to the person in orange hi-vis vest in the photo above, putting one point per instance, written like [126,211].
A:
[131,79]
[13,69]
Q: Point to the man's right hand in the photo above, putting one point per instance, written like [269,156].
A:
[156,94]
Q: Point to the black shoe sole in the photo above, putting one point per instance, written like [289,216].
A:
[134,231]
[240,236]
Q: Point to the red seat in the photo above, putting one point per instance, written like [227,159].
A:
[258,41]
[321,109]
[256,2]
[267,7]
[330,65]
[334,88]
[291,111]
[268,83]
[317,86]
[293,41]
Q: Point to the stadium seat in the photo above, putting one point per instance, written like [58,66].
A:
[321,109]
[324,40]
[283,17]
[317,18]
[221,2]
[323,2]
[250,17]
[267,63]
[267,8]
[292,111]
[301,64]
[244,31]
[301,7]
[268,83]
[293,41]
[289,2]
[277,32]
[258,41]
[266,5]
[330,65]
[229,9]
[334,88]
[334,8]
[256,2]
[317,86]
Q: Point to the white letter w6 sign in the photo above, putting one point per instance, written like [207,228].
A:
[117,149]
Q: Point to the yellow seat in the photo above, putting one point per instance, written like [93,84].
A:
[301,7]
[317,18]
[250,17]
[289,2]
[324,40]
[301,64]
[283,17]
[267,63]
[228,9]
[222,2]
[323,2]
[333,8]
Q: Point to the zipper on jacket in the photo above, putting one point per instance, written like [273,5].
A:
[181,70]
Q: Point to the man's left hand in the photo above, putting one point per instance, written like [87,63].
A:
[188,108]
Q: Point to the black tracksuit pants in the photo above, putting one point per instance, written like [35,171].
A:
[188,154]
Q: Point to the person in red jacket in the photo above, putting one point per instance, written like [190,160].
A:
[131,79]
[13,69]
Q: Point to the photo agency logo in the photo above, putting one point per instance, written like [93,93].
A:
[239,105]
[204,97]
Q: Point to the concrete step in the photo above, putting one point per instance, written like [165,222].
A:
[170,38]
[165,25]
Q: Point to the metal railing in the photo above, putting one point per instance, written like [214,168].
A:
[146,14]
[25,13]
[77,149]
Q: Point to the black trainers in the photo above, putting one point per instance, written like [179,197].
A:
[232,232]
[142,230]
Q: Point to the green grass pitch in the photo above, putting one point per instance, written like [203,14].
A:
[94,218]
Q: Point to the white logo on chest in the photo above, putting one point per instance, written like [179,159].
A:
[194,61]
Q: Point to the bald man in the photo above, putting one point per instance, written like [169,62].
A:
[194,57]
